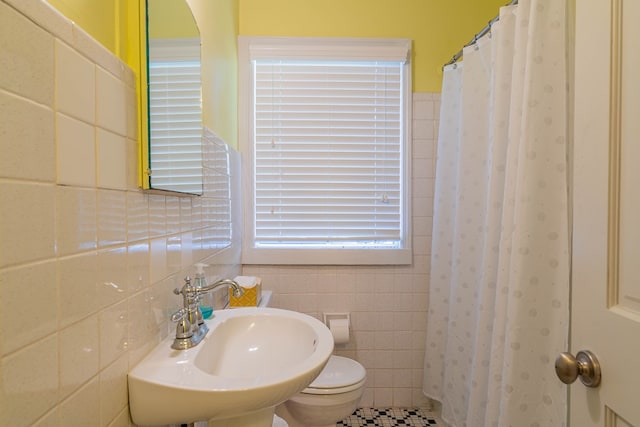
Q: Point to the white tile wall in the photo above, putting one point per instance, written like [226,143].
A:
[76,152]
[112,160]
[388,305]
[87,260]
[34,158]
[75,83]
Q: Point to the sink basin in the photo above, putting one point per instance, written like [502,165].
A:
[251,360]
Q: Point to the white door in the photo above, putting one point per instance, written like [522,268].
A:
[606,240]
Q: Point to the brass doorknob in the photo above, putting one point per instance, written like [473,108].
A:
[584,365]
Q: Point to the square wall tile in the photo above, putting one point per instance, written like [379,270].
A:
[172,214]
[76,221]
[29,383]
[112,160]
[33,285]
[423,107]
[133,164]
[27,143]
[112,276]
[143,334]
[137,216]
[79,354]
[423,129]
[28,222]
[112,217]
[77,289]
[75,84]
[174,254]
[185,214]
[27,57]
[157,215]
[111,103]
[113,392]
[137,266]
[114,328]
[75,141]
[158,260]
[82,408]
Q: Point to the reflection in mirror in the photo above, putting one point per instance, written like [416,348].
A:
[174,96]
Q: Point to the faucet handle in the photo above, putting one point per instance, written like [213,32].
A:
[183,328]
[179,315]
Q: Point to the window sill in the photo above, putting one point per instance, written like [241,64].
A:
[326,256]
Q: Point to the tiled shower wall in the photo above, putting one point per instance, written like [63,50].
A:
[388,304]
[87,260]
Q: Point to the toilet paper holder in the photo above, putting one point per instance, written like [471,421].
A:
[328,317]
[339,324]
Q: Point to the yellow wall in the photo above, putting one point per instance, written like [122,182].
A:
[439,28]
[171,19]
[97,17]
[218,20]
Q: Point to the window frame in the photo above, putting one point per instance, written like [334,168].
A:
[250,48]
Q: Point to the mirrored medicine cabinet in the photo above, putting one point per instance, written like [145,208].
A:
[173,119]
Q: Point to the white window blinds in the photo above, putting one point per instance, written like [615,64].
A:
[329,153]
[175,115]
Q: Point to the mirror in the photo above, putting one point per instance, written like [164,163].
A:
[174,97]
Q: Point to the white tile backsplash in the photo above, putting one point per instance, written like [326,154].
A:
[82,408]
[77,287]
[111,102]
[28,222]
[113,387]
[112,278]
[79,348]
[30,382]
[75,83]
[112,217]
[32,124]
[76,152]
[112,160]
[33,315]
[113,323]
[76,220]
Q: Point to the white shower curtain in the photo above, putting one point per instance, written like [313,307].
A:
[499,290]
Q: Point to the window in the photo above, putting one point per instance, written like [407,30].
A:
[326,150]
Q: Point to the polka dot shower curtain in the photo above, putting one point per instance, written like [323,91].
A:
[499,291]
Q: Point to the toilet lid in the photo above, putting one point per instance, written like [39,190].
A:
[339,372]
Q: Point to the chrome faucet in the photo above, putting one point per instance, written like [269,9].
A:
[191,327]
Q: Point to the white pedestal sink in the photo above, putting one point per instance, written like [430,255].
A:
[251,360]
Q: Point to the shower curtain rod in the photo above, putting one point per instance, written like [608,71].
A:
[475,38]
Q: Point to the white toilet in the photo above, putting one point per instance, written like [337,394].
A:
[331,397]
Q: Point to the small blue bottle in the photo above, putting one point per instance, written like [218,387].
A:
[206,299]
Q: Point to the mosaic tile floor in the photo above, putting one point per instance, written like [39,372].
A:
[389,417]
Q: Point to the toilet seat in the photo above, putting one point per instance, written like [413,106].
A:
[340,375]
